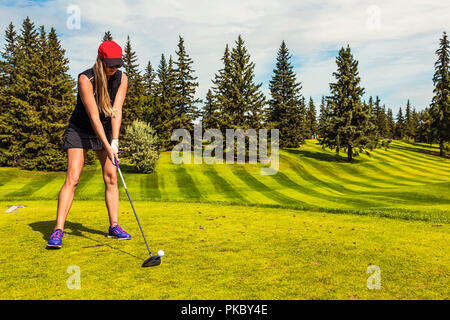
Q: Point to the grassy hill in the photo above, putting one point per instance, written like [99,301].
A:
[407,181]
[277,240]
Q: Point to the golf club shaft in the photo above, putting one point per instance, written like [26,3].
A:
[131,202]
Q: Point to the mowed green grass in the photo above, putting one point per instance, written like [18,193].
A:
[222,252]
[406,181]
[308,232]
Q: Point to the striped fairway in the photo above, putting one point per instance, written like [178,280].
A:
[407,180]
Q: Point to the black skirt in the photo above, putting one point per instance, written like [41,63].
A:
[74,137]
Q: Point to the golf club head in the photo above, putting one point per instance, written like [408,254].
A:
[153,261]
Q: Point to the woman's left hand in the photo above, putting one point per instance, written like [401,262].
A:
[115,145]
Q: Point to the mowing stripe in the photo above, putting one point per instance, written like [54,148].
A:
[31,187]
[241,172]
[149,186]
[222,186]
[186,184]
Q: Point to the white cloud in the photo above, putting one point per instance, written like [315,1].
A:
[396,57]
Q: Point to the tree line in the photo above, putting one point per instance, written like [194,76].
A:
[37,97]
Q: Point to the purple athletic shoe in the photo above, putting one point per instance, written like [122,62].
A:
[118,233]
[55,240]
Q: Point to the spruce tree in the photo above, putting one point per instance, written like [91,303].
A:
[39,101]
[7,80]
[159,109]
[286,110]
[311,120]
[400,125]
[440,105]
[247,99]
[149,80]
[210,112]
[323,117]
[185,85]
[222,91]
[390,124]
[107,36]
[349,125]
[409,122]
[131,109]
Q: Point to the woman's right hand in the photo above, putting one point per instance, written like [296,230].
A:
[112,155]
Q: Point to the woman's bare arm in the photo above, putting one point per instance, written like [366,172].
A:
[118,102]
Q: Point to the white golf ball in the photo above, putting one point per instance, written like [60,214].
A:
[160,253]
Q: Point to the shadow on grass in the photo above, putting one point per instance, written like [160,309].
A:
[126,167]
[322,156]
[46,228]
[414,147]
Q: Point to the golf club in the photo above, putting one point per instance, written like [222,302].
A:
[153,260]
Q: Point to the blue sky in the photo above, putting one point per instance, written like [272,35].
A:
[394,41]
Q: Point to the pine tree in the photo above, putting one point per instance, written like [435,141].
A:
[440,105]
[131,109]
[311,118]
[210,113]
[38,101]
[349,125]
[409,122]
[159,109]
[23,116]
[149,80]
[185,85]
[286,110]
[390,131]
[222,91]
[400,125]
[247,99]
[7,80]
[323,116]
[379,117]
[107,36]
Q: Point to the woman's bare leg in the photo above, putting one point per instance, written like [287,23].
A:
[75,159]
[111,188]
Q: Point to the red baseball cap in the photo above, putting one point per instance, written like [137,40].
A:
[111,53]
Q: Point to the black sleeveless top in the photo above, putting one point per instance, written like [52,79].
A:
[80,118]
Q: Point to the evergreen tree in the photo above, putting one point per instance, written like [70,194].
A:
[400,125]
[23,118]
[323,117]
[311,118]
[440,105]
[222,91]
[349,124]
[187,111]
[247,99]
[131,109]
[149,80]
[39,102]
[390,124]
[210,113]
[286,110]
[107,36]
[409,130]
[159,109]
[380,118]
[7,80]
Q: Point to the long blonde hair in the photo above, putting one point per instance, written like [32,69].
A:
[101,89]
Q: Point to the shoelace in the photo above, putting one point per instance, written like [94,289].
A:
[119,228]
[56,235]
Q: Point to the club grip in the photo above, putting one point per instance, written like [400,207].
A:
[115,161]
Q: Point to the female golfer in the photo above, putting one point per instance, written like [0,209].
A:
[95,124]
